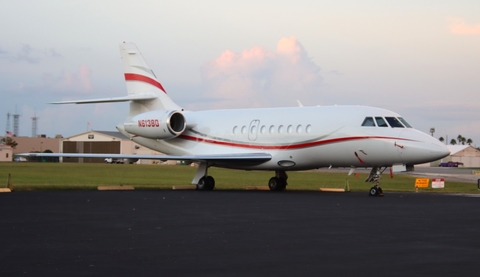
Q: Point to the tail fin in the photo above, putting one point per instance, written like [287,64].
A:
[141,80]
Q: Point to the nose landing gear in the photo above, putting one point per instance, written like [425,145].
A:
[374,176]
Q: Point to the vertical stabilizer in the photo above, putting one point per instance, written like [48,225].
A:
[140,80]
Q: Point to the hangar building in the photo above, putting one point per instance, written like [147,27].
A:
[38,144]
[109,142]
[466,154]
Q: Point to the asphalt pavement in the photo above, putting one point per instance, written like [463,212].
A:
[238,233]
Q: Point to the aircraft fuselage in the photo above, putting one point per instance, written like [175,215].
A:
[301,138]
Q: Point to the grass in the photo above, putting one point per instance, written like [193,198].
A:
[67,176]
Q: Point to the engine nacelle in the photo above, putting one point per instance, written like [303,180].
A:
[156,124]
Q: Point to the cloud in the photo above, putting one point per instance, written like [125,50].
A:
[26,54]
[79,81]
[29,54]
[50,52]
[458,26]
[258,77]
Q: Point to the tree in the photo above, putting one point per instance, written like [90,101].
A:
[9,141]
[469,141]
[441,139]
[461,139]
[453,142]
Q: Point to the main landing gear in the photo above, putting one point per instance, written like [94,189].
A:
[205,182]
[201,178]
[374,176]
[279,182]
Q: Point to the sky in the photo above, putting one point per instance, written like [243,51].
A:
[420,59]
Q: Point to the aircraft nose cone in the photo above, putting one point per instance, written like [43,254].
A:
[422,148]
[439,151]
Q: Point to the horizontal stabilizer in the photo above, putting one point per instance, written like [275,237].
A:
[136,97]
[247,158]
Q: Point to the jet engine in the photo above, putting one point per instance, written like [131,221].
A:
[156,124]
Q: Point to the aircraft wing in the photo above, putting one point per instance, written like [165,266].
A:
[246,158]
[139,97]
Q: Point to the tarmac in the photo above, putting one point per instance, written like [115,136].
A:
[238,233]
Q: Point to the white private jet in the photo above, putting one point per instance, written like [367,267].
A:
[276,139]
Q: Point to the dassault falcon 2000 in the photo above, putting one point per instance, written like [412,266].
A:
[275,139]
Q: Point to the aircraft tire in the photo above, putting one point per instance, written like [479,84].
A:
[373,191]
[276,184]
[206,183]
[210,183]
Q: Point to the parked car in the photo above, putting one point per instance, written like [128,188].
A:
[451,164]
[20,159]
[113,161]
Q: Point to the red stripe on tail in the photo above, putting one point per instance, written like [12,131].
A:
[145,79]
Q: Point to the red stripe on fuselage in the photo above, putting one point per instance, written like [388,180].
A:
[145,79]
[282,147]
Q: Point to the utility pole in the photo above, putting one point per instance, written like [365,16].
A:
[34,125]
[7,128]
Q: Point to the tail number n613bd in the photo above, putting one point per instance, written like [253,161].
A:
[148,123]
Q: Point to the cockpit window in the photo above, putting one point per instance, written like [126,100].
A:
[368,122]
[381,122]
[405,122]
[394,122]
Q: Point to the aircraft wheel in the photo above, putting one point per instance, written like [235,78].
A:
[376,191]
[210,185]
[206,183]
[276,184]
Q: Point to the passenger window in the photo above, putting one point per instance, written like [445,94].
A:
[368,122]
[272,129]
[299,129]
[244,130]
[235,130]
[405,122]
[280,129]
[262,130]
[308,129]
[381,122]
[290,129]
[394,122]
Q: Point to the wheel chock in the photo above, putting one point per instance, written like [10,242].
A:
[121,187]
[257,188]
[184,187]
[331,190]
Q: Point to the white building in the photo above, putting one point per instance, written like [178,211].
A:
[466,154]
[108,142]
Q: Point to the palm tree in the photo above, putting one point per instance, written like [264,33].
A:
[453,142]
[9,141]
[441,139]
[469,141]
[460,139]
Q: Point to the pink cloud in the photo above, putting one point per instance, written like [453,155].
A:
[258,77]
[458,26]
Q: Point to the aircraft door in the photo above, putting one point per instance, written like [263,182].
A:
[253,129]
[400,146]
